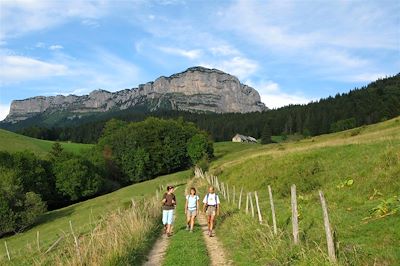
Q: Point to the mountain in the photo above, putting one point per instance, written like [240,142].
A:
[196,89]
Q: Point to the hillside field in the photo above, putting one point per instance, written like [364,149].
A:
[358,170]
[364,213]
[53,223]
[13,142]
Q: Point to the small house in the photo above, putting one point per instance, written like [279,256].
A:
[242,138]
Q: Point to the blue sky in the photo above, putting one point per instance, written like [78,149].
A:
[290,51]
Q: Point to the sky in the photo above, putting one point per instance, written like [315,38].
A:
[290,51]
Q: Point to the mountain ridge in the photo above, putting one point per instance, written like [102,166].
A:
[197,89]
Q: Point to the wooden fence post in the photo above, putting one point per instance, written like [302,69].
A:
[295,221]
[54,244]
[76,242]
[233,197]
[251,205]
[247,203]
[8,253]
[328,232]
[258,207]
[240,198]
[227,192]
[37,240]
[271,202]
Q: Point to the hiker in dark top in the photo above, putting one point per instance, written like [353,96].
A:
[169,203]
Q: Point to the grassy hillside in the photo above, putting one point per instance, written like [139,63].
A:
[369,156]
[13,142]
[52,224]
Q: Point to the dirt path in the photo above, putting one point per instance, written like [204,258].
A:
[156,255]
[214,247]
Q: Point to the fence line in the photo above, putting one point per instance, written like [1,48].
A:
[224,189]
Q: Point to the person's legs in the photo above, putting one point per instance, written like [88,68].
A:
[211,224]
[192,217]
[165,220]
[188,217]
[170,218]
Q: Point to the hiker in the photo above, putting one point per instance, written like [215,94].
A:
[169,203]
[211,208]
[191,207]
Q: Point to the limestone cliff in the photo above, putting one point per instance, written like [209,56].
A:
[196,89]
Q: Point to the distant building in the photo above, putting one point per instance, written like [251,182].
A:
[241,138]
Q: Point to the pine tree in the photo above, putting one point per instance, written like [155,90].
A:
[266,134]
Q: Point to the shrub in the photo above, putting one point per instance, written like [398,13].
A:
[77,178]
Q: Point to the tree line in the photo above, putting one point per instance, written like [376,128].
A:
[378,101]
[126,153]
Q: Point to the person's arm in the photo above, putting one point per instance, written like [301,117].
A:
[174,200]
[164,199]
[205,204]
[197,204]
[186,204]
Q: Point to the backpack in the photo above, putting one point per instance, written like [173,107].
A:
[216,197]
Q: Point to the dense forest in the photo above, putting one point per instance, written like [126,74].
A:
[376,102]
[126,153]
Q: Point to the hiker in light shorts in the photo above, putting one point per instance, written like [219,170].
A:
[191,208]
[169,203]
[211,208]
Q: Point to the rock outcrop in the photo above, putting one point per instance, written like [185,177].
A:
[196,89]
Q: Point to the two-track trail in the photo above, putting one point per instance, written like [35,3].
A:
[214,246]
[185,248]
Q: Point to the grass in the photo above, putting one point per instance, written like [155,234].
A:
[122,237]
[13,142]
[370,157]
[52,224]
[186,248]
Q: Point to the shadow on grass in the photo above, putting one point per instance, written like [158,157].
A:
[53,215]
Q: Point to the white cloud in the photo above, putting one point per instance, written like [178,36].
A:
[190,54]
[272,95]
[239,66]
[224,50]
[363,77]
[56,47]
[276,100]
[4,110]
[16,68]
[24,16]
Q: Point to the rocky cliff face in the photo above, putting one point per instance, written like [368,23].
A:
[196,89]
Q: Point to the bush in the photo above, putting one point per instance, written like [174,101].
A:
[18,210]
[77,178]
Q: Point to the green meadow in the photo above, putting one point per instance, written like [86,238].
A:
[358,171]
[13,142]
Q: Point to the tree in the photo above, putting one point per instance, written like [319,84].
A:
[77,178]
[266,134]
[18,210]
[56,151]
[197,147]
